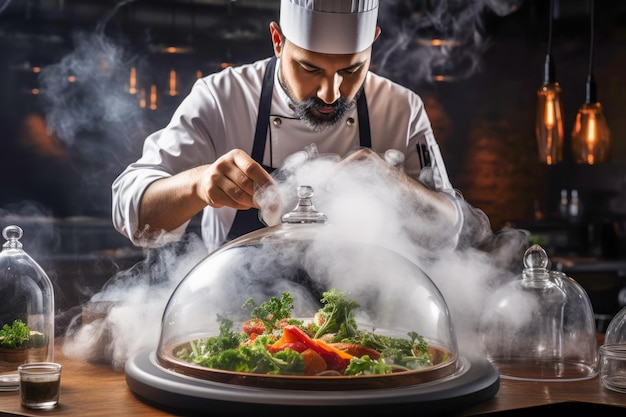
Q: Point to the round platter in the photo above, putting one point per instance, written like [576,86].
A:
[476,381]
[442,369]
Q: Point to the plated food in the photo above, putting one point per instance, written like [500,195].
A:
[272,342]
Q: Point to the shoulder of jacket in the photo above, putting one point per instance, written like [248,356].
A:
[251,73]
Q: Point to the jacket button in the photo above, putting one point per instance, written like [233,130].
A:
[350,121]
[277,122]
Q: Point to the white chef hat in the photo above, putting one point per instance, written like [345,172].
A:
[329,26]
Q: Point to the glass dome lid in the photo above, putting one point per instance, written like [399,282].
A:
[298,306]
[541,327]
[26,308]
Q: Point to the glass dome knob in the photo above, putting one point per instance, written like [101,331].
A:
[12,234]
[305,211]
[535,264]
[535,257]
[305,192]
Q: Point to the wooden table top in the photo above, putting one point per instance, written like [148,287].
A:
[96,389]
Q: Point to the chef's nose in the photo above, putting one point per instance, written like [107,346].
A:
[328,91]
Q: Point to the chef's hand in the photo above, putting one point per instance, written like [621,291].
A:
[362,155]
[231,181]
[374,163]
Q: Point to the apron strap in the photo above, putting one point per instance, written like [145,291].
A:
[365,135]
[265,105]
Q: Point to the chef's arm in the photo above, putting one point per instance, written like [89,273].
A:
[440,219]
[168,203]
[435,217]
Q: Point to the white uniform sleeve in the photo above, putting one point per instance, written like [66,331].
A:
[218,115]
[184,143]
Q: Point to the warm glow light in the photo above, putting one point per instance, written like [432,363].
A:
[591,130]
[591,137]
[71,78]
[153,97]
[37,137]
[142,99]
[36,70]
[198,74]
[549,124]
[34,91]
[438,42]
[172,91]
[443,78]
[171,49]
[132,81]
[548,118]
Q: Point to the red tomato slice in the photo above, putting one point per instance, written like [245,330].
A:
[252,326]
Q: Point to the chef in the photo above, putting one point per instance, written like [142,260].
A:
[238,125]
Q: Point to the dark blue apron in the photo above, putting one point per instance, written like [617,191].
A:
[247,221]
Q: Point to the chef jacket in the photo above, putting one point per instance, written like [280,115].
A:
[219,115]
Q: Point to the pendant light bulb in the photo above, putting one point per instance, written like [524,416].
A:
[591,136]
[549,118]
[549,123]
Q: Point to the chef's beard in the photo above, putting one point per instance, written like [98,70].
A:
[314,120]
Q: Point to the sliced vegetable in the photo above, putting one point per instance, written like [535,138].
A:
[253,326]
[334,358]
[313,362]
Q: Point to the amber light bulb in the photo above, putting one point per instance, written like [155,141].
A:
[549,123]
[549,119]
[591,136]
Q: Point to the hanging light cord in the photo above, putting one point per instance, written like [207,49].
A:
[591,93]
[550,27]
[548,71]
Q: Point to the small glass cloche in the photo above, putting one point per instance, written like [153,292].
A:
[540,327]
[26,307]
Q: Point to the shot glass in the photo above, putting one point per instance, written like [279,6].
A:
[40,383]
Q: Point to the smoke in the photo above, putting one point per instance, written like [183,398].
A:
[86,91]
[88,107]
[426,40]
[370,249]
[125,316]
[364,204]
[40,233]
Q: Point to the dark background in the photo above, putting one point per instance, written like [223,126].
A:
[62,147]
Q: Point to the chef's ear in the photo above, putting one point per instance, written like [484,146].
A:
[278,40]
[377,34]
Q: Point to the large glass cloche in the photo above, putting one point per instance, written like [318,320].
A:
[371,314]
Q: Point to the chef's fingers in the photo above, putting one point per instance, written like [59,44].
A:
[232,180]
[362,155]
[251,169]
